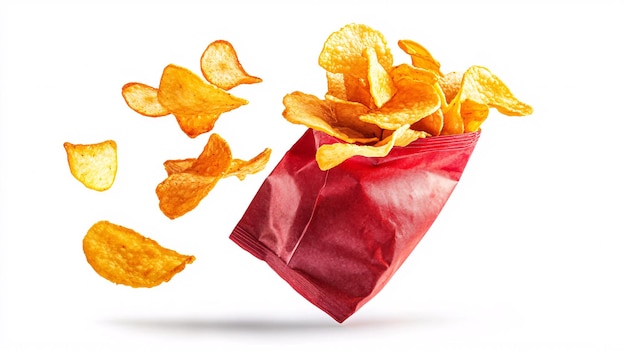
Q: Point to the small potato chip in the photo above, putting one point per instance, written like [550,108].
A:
[215,158]
[306,109]
[240,168]
[343,50]
[331,155]
[420,57]
[143,99]
[220,66]
[413,101]
[177,166]
[94,165]
[124,256]
[181,192]
[381,85]
[195,103]
[451,84]
[350,88]
[431,124]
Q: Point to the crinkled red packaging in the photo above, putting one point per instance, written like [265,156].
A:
[338,236]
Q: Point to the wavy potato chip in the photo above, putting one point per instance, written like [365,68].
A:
[143,99]
[331,155]
[343,50]
[413,101]
[181,192]
[126,257]
[309,110]
[241,168]
[94,165]
[420,57]
[196,104]
[220,66]
[381,85]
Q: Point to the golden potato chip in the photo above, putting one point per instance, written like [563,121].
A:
[420,57]
[481,87]
[413,101]
[184,188]
[350,88]
[177,166]
[195,103]
[143,99]
[94,165]
[124,256]
[240,168]
[214,159]
[343,50]
[381,85]
[451,84]
[404,71]
[306,109]
[220,66]
[331,155]
[181,192]
[431,124]
[346,116]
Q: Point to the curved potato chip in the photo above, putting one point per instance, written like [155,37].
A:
[195,103]
[309,110]
[420,57]
[190,180]
[431,124]
[331,155]
[177,166]
[94,165]
[350,88]
[240,168]
[451,84]
[473,114]
[381,85]
[214,159]
[404,71]
[413,101]
[143,100]
[343,50]
[124,256]
[181,192]
[220,66]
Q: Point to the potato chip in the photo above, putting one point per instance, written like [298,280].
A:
[346,116]
[420,57]
[309,110]
[451,84]
[381,85]
[215,158]
[350,88]
[343,50]
[143,99]
[481,87]
[177,166]
[431,124]
[413,101]
[181,192]
[94,165]
[404,71]
[220,66]
[240,168]
[124,256]
[195,103]
[331,155]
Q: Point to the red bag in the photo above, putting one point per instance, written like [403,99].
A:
[338,236]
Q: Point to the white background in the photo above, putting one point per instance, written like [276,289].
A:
[528,254]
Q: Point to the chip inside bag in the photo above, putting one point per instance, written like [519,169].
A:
[384,150]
